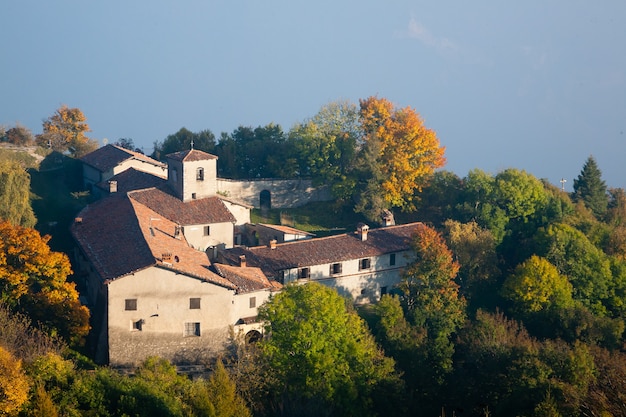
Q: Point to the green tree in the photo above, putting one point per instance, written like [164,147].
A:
[184,140]
[327,146]
[321,354]
[222,394]
[33,280]
[15,195]
[429,291]
[65,131]
[474,249]
[536,285]
[591,189]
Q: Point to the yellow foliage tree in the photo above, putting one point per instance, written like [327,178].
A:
[14,384]
[33,279]
[408,152]
[66,130]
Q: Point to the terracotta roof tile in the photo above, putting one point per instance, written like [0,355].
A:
[309,252]
[191,155]
[205,210]
[110,156]
[247,279]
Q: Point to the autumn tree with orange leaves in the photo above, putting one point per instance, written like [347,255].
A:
[33,281]
[398,156]
[65,131]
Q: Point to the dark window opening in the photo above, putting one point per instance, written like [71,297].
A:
[200,174]
[130,304]
[137,325]
[335,268]
[383,291]
[192,329]
[252,302]
[304,273]
[392,259]
[365,263]
[207,230]
[194,303]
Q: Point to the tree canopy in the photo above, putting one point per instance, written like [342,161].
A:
[590,188]
[65,131]
[15,195]
[320,351]
[33,280]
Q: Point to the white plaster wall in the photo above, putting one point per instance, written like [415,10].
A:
[204,188]
[220,234]
[163,304]
[241,213]
[241,304]
[361,285]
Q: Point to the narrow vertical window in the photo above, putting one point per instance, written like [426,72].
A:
[252,302]
[207,230]
[392,259]
[200,174]
[365,263]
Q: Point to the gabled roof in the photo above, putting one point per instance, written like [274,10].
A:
[133,179]
[201,211]
[247,279]
[121,236]
[109,156]
[191,155]
[326,250]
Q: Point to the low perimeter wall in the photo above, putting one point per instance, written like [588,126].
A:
[282,193]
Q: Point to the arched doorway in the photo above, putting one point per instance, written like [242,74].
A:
[253,336]
[265,200]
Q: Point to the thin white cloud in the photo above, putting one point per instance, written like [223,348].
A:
[418,31]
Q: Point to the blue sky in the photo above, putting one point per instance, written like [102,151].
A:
[536,85]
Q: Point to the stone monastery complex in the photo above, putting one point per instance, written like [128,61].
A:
[169,268]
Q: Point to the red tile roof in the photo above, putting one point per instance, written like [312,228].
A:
[247,279]
[110,156]
[310,252]
[121,236]
[205,210]
[191,155]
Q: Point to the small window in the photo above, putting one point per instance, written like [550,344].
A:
[383,291]
[304,273]
[193,196]
[192,329]
[174,175]
[365,263]
[194,303]
[130,304]
[252,302]
[207,230]
[137,325]
[335,268]
[392,259]
[200,174]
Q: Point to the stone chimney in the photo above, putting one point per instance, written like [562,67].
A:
[242,261]
[272,244]
[387,218]
[361,231]
[112,187]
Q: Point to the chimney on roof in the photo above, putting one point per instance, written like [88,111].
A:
[112,187]
[272,244]
[361,231]
[166,257]
[387,218]
[242,261]
[78,220]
